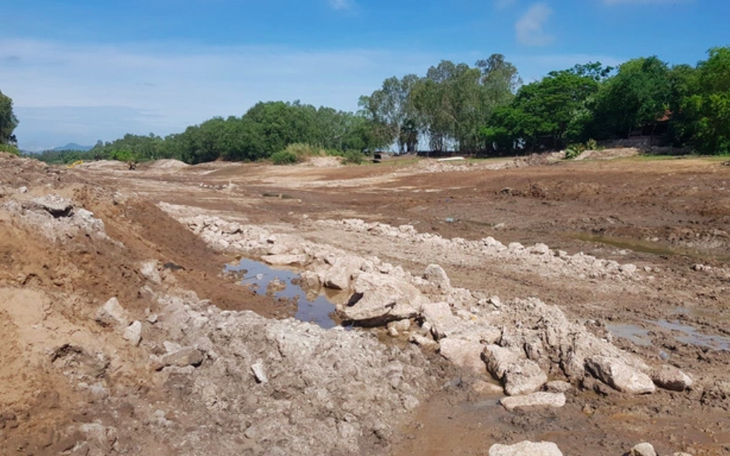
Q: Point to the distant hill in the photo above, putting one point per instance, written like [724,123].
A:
[73,146]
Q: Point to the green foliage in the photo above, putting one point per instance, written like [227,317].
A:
[8,121]
[10,149]
[592,144]
[574,150]
[284,157]
[352,157]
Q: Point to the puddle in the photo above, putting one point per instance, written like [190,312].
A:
[635,334]
[693,337]
[284,284]
[690,335]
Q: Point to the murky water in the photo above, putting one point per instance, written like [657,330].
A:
[284,284]
[688,334]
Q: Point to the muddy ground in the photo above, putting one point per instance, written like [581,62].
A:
[669,217]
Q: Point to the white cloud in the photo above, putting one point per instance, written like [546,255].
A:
[529,27]
[645,2]
[503,4]
[342,5]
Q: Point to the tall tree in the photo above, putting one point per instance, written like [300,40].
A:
[8,121]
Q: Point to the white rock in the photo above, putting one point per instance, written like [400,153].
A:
[558,386]
[463,353]
[556,400]
[259,372]
[671,378]
[112,314]
[437,276]
[440,316]
[526,449]
[286,260]
[424,342]
[149,270]
[383,298]
[620,376]
[523,377]
[487,388]
[643,449]
[133,333]
[498,359]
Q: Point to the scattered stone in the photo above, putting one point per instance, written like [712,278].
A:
[523,377]
[643,449]
[259,373]
[381,298]
[439,315]
[23,189]
[424,342]
[112,314]
[149,270]
[620,376]
[671,378]
[395,328]
[556,400]
[437,276]
[498,359]
[496,302]
[558,386]
[54,205]
[525,448]
[286,260]
[152,318]
[133,333]
[463,353]
[187,356]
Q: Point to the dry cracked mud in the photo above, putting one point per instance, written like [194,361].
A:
[595,289]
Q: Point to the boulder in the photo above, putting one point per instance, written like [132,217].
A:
[187,356]
[133,333]
[286,260]
[340,273]
[534,400]
[525,448]
[671,378]
[498,359]
[437,276]
[112,314]
[380,298]
[643,449]
[463,353]
[523,377]
[439,315]
[620,376]
[55,205]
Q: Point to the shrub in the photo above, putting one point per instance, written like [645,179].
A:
[284,157]
[352,157]
[9,149]
[591,144]
[574,150]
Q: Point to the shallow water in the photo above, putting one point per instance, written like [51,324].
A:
[689,334]
[283,284]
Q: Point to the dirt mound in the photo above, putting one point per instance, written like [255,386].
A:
[609,154]
[103,165]
[323,162]
[166,164]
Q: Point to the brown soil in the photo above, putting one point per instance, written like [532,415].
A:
[665,216]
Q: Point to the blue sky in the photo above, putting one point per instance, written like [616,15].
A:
[82,70]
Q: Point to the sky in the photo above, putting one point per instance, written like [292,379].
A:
[87,70]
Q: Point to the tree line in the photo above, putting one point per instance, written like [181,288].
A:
[482,110]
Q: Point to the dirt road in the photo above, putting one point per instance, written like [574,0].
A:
[664,223]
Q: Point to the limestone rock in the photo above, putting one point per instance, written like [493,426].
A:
[463,353]
[187,356]
[620,376]
[523,377]
[534,400]
[671,378]
[526,448]
[149,270]
[340,273]
[437,276]
[558,386]
[424,342]
[286,260]
[112,314]
[259,373]
[498,359]
[380,298]
[486,388]
[133,333]
[439,315]
[54,205]
[643,449]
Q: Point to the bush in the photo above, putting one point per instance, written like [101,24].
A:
[284,157]
[574,150]
[591,144]
[352,157]
[9,149]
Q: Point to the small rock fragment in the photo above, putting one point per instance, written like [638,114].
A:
[643,449]
[187,356]
[556,400]
[133,333]
[523,377]
[620,376]
[259,373]
[112,314]
[437,276]
[526,448]
[463,353]
[671,378]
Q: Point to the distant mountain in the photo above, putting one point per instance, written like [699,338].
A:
[73,146]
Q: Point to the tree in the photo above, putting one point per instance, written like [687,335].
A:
[708,110]
[8,121]
[638,95]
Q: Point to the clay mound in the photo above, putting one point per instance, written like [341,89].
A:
[167,164]
[102,164]
[609,154]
